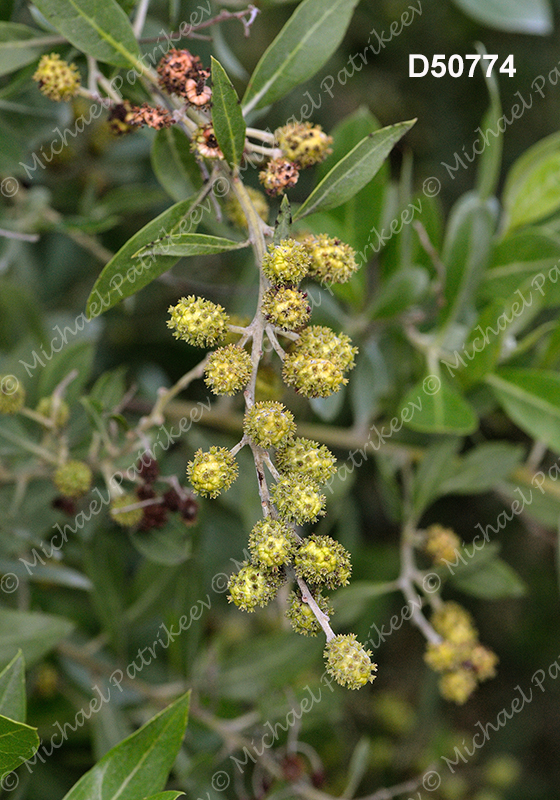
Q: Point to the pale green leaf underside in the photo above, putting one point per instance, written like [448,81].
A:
[12,689]
[192,244]
[304,44]
[227,117]
[518,16]
[19,45]
[444,411]
[98,27]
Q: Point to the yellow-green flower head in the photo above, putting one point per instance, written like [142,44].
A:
[332,261]
[312,377]
[455,624]
[483,661]
[57,80]
[269,423]
[228,370]
[212,471]
[73,479]
[348,662]
[198,321]
[304,143]
[457,686]
[445,656]
[286,263]
[272,543]
[319,341]
[254,586]
[442,544]
[12,395]
[54,408]
[124,516]
[286,308]
[235,212]
[322,560]
[305,457]
[298,499]
[302,618]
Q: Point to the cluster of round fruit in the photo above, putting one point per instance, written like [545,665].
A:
[461,658]
[302,144]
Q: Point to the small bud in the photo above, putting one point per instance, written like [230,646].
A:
[308,458]
[304,143]
[73,479]
[348,662]
[298,499]
[286,308]
[322,560]
[12,394]
[253,586]
[269,423]
[122,514]
[312,377]
[198,321]
[55,409]
[228,370]
[235,212]
[442,544]
[457,686]
[272,543]
[302,618]
[212,472]
[286,263]
[57,80]
[332,261]
[279,175]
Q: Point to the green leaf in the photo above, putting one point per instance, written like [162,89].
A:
[443,411]
[165,796]
[431,472]
[531,189]
[466,251]
[139,766]
[168,545]
[516,16]
[350,604]
[304,44]
[531,398]
[283,224]
[18,742]
[123,276]
[12,689]
[403,288]
[483,468]
[519,257]
[174,163]
[354,171]
[490,580]
[190,244]
[227,117]
[15,49]
[32,633]
[74,356]
[100,29]
[488,173]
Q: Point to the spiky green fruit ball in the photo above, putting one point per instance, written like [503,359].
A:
[124,516]
[73,479]
[212,471]
[348,662]
[228,370]
[286,263]
[302,618]
[319,341]
[272,543]
[298,499]
[198,321]
[322,560]
[332,261]
[254,585]
[306,457]
[269,423]
[12,395]
[304,143]
[235,212]
[286,308]
[57,79]
[53,408]
[312,377]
